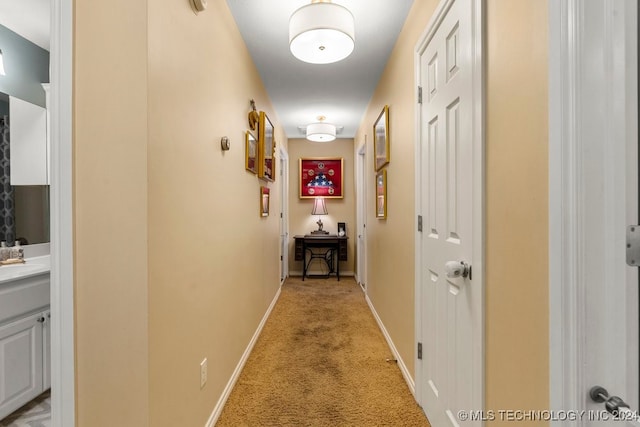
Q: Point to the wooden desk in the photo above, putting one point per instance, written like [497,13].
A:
[335,247]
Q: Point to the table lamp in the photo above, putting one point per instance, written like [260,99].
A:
[319,208]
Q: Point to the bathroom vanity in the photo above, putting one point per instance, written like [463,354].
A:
[25,347]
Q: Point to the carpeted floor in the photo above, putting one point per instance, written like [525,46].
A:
[321,361]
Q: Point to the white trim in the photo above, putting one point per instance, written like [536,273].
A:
[396,354]
[564,210]
[217,410]
[361,214]
[478,202]
[61,163]
[284,208]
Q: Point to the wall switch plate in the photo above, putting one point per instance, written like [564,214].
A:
[203,372]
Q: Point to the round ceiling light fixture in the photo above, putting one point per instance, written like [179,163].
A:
[320,131]
[321,32]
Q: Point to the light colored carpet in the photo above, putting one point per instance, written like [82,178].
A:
[321,361]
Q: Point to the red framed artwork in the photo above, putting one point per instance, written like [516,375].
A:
[321,177]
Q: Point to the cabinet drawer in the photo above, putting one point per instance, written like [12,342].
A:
[22,296]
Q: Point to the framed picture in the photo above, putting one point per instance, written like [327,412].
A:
[321,177]
[251,152]
[264,201]
[381,138]
[381,194]
[266,149]
[342,229]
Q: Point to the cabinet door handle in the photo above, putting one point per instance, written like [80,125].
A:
[40,319]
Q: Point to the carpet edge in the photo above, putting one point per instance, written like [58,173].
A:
[403,367]
[217,410]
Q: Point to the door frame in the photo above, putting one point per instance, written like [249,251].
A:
[361,212]
[284,212]
[61,167]
[568,49]
[478,190]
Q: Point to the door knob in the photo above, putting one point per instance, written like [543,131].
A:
[457,268]
[613,404]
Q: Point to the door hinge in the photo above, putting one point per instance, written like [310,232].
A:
[419,222]
[280,214]
[420,350]
[281,259]
[633,245]
[419,94]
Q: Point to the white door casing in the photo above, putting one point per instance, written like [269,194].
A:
[361,168]
[284,214]
[593,196]
[61,167]
[449,199]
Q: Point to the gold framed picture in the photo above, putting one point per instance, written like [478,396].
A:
[381,194]
[251,152]
[264,201]
[266,149]
[381,139]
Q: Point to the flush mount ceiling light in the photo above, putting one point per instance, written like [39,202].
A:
[321,132]
[2,73]
[321,32]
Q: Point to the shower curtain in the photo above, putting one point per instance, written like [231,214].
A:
[7,215]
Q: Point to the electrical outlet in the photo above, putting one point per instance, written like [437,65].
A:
[203,372]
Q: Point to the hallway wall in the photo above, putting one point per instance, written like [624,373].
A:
[516,282]
[173,261]
[110,213]
[517,275]
[390,252]
[340,210]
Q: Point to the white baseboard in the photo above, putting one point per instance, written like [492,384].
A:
[217,410]
[403,368]
[342,273]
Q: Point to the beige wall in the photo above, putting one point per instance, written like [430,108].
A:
[110,213]
[173,262]
[340,210]
[517,340]
[390,243]
[516,195]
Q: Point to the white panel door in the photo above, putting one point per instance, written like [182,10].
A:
[593,185]
[448,305]
[610,175]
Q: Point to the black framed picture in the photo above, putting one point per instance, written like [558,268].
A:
[342,229]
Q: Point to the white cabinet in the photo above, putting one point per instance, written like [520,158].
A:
[25,344]
[20,362]
[29,159]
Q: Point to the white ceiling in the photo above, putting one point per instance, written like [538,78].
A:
[299,91]
[28,18]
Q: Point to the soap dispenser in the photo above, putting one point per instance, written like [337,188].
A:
[4,251]
[16,251]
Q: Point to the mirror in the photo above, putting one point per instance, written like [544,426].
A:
[24,209]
